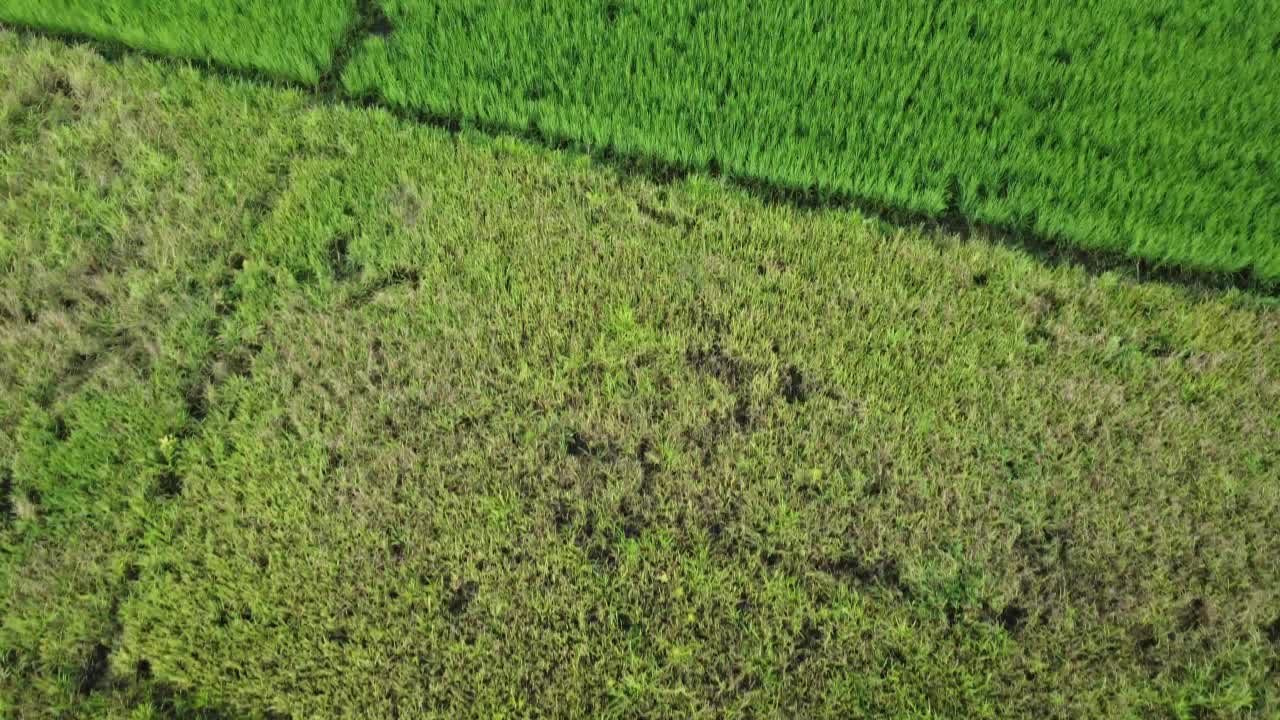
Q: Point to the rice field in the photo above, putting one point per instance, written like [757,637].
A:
[311,411]
[290,39]
[639,359]
[1140,127]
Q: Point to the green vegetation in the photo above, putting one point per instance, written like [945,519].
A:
[292,39]
[309,411]
[1144,127]
[1140,128]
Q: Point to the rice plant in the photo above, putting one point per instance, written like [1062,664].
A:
[292,39]
[1144,127]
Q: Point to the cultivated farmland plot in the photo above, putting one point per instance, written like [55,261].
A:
[313,408]
[291,39]
[1143,127]
[1134,127]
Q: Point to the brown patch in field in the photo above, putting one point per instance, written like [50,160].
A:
[408,204]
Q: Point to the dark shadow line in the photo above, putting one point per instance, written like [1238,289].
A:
[1051,251]
[116,51]
[368,19]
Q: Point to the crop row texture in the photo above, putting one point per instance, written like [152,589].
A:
[291,39]
[1139,127]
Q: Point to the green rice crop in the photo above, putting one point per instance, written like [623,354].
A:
[1145,127]
[307,411]
[293,39]
[1141,127]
